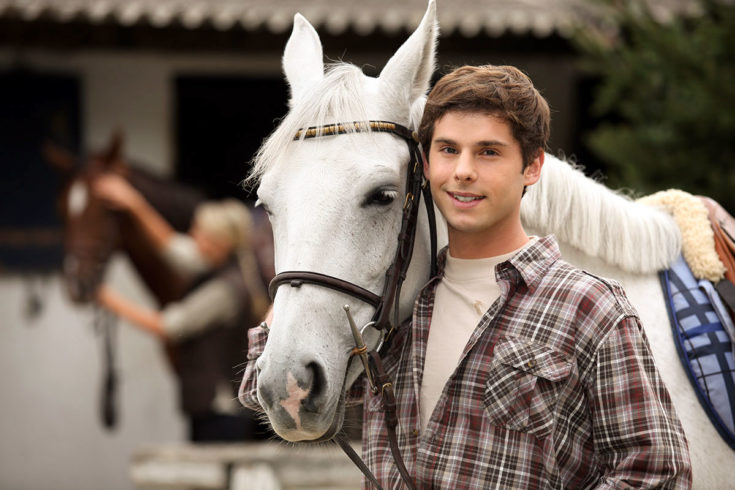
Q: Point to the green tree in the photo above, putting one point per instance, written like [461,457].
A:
[665,99]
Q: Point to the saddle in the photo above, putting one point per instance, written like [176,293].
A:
[723,227]
[700,299]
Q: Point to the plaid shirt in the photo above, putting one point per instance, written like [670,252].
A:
[556,388]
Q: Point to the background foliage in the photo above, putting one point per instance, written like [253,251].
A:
[666,100]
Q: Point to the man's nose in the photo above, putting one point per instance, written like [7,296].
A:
[465,169]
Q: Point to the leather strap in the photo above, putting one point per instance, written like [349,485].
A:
[721,222]
[726,289]
[345,445]
[724,246]
[105,323]
[385,386]
[429,202]
[297,278]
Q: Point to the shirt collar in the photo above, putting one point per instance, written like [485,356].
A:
[527,266]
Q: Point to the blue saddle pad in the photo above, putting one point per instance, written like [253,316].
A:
[703,345]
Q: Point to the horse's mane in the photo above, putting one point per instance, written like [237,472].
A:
[598,221]
[339,97]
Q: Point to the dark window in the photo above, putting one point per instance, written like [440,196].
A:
[34,108]
[220,124]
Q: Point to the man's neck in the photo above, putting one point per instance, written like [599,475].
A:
[486,245]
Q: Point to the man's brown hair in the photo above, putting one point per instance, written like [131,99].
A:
[500,91]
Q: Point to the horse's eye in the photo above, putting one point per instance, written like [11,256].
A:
[381,197]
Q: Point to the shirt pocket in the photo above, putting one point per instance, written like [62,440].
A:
[523,386]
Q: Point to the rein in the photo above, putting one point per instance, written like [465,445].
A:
[105,325]
[388,301]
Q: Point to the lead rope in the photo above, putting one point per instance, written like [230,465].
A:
[347,448]
[105,325]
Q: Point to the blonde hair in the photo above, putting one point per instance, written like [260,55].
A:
[228,220]
[231,220]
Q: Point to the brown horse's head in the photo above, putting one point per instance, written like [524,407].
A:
[90,231]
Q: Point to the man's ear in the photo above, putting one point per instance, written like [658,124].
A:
[532,172]
[426,164]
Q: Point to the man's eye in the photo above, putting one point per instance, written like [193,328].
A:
[448,149]
[489,152]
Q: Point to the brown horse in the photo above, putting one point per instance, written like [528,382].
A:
[92,232]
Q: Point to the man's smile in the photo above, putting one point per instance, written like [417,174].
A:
[465,197]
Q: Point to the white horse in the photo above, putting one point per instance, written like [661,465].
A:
[335,206]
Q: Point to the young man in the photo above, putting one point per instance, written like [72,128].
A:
[519,371]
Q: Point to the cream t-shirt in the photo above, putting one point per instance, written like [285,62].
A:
[464,294]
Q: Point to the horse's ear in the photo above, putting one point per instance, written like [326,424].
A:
[302,58]
[411,67]
[59,158]
[114,151]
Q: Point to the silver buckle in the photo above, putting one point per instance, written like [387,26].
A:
[360,347]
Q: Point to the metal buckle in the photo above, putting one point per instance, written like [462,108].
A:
[372,325]
[408,201]
[360,347]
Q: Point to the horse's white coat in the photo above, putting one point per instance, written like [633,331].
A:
[316,192]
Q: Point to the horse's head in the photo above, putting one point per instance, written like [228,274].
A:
[335,205]
[90,232]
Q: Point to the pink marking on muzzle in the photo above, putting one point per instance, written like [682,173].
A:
[292,404]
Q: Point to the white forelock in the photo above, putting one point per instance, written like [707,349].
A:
[341,93]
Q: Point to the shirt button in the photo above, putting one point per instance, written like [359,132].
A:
[531,364]
[416,432]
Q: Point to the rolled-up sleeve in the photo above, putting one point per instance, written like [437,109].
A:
[182,254]
[213,303]
[638,437]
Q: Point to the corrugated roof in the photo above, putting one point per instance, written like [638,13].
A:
[470,18]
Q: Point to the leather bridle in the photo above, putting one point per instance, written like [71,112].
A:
[388,301]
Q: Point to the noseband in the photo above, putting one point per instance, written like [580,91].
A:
[395,275]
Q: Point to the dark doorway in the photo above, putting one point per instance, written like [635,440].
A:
[220,124]
[35,108]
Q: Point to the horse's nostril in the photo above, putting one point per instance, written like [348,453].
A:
[266,395]
[318,387]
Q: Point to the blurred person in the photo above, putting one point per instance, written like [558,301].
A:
[202,330]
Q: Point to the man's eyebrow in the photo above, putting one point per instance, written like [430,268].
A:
[448,141]
[445,141]
[491,143]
